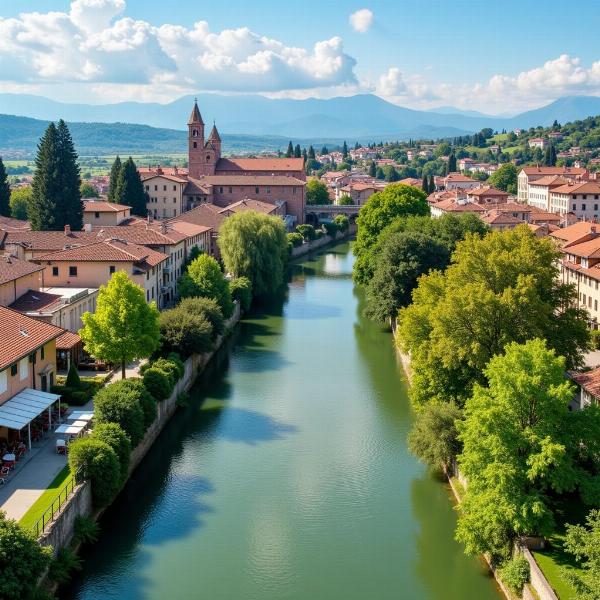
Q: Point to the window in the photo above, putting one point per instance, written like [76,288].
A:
[13,369]
[589,301]
[220,190]
[111,269]
[147,188]
[595,304]
[164,188]
[156,188]
[268,190]
[54,271]
[72,271]
[174,212]
[256,190]
[3,382]
[293,190]
[195,145]
[208,157]
[231,190]
[574,206]
[24,368]
[583,206]
[96,215]
[174,188]
[42,353]
[147,295]
[174,200]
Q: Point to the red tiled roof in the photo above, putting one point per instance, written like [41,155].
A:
[253,180]
[67,340]
[589,381]
[487,191]
[260,164]
[21,335]
[573,232]
[207,215]
[12,268]
[249,204]
[49,240]
[587,249]
[36,301]
[584,187]
[10,224]
[554,170]
[100,206]
[451,205]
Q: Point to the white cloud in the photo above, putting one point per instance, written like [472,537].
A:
[94,44]
[361,20]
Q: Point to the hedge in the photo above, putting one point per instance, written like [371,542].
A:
[158,383]
[185,333]
[113,435]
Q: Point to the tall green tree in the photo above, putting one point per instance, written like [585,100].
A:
[209,282]
[89,191]
[452,163]
[372,169]
[518,449]
[20,199]
[550,156]
[130,189]
[254,245]
[505,178]
[391,174]
[345,150]
[425,184]
[69,204]
[311,153]
[431,184]
[4,191]
[113,184]
[316,192]
[124,326]
[297,151]
[290,150]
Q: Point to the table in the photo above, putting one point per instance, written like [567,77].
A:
[78,424]
[69,429]
[79,415]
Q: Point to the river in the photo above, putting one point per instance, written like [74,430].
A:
[288,476]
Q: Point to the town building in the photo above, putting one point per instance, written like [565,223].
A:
[487,195]
[538,142]
[17,277]
[454,181]
[528,175]
[581,198]
[99,212]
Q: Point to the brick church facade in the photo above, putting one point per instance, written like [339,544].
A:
[210,178]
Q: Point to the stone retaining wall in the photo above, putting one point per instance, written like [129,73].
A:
[538,581]
[313,245]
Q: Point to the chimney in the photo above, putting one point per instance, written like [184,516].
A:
[149,217]
[163,226]
[87,227]
[593,229]
[67,230]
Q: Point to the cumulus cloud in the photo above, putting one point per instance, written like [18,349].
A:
[361,20]
[93,43]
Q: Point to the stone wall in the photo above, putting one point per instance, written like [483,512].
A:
[313,245]
[538,581]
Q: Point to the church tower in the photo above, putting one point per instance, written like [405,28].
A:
[202,156]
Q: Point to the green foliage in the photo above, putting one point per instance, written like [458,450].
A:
[402,258]
[207,308]
[158,383]
[120,402]
[85,530]
[174,358]
[22,560]
[87,190]
[98,463]
[520,446]
[498,289]
[185,333]
[130,189]
[346,200]
[317,193]
[254,245]
[382,208]
[62,567]
[306,231]
[124,326]
[433,438]
[330,228]
[318,234]
[241,290]
[20,199]
[595,339]
[209,282]
[113,435]
[342,222]
[295,239]
[114,180]
[505,178]
[4,192]
[515,573]
[584,543]
[73,379]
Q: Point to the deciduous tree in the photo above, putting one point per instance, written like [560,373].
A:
[316,192]
[209,282]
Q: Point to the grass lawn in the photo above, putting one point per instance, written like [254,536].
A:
[30,518]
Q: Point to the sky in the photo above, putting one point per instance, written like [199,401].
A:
[495,56]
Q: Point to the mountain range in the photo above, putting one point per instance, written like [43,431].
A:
[363,118]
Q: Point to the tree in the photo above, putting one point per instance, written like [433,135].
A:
[396,200]
[518,448]
[342,222]
[88,191]
[113,435]
[401,259]
[324,150]
[69,203]
[241,290]
[113,184]
[207,308]
[499,289]
[254,245]
[311,153]
[344,150]
[452,163]
[290,150]
[431,184]
[391,174]
[550,156]
[433,438]
[346,200]
[130,189]
[124,326]
[372,169]
[425,184]
[297,151]
[4,191]
[379,173]
[210,282]
[584,543]
[317,193]
[185,333]
[22,560]
[505,178]
[20,199]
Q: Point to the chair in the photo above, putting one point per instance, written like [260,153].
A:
[61,447]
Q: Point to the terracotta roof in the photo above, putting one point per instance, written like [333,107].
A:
[584,187]
[195,186]
[21,335]
[148,175]
[573,232]
[459,177]
[260,164]
[36,301]
[205,214]
[450,205]
[550,180]
[10,224]
[544,217]
[487,191]
[49,240]
[512,207]
[411,181]
[142,233]
[589,381]
[188,229]
[214,134]
[553,170]
[178,171]
[495,217]
[67,340]
[252,180]
[249,204]
[109,250]
[100,206]
[12,268]
[587,249]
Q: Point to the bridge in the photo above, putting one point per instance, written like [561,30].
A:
[330,210]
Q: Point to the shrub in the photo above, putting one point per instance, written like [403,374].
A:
[113,435]
[85,530]
[62,567]
[241,290]
[207,308]
[98,463]
[176,360]
[342,222]
[158,383]
[295,239]
[330,228]
[515,573]
[73,380]
[306,231]
[22,560]
[120,403]
[210,282]
[318,234]
[170,367]
[185,333]
[595,333]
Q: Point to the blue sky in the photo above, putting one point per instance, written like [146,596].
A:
[495,55]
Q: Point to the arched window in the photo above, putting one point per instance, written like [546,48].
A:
[208,157]
[195,133]
[195,145]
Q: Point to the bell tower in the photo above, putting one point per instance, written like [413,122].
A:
[196,142]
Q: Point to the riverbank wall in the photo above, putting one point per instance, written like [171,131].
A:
[79,504]
[313,245]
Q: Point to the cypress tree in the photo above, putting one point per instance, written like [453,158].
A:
[372,169]
[452,163]
[311,153]
[130,189]
[431,184]
[46,184]
[4,192]
[345,149]
[290,150]
[69,204]
[297,151]
[114,178]
[425,184]
[304,154]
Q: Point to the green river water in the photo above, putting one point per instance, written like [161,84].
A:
[288,477]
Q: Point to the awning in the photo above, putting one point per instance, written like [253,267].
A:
[21,409]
